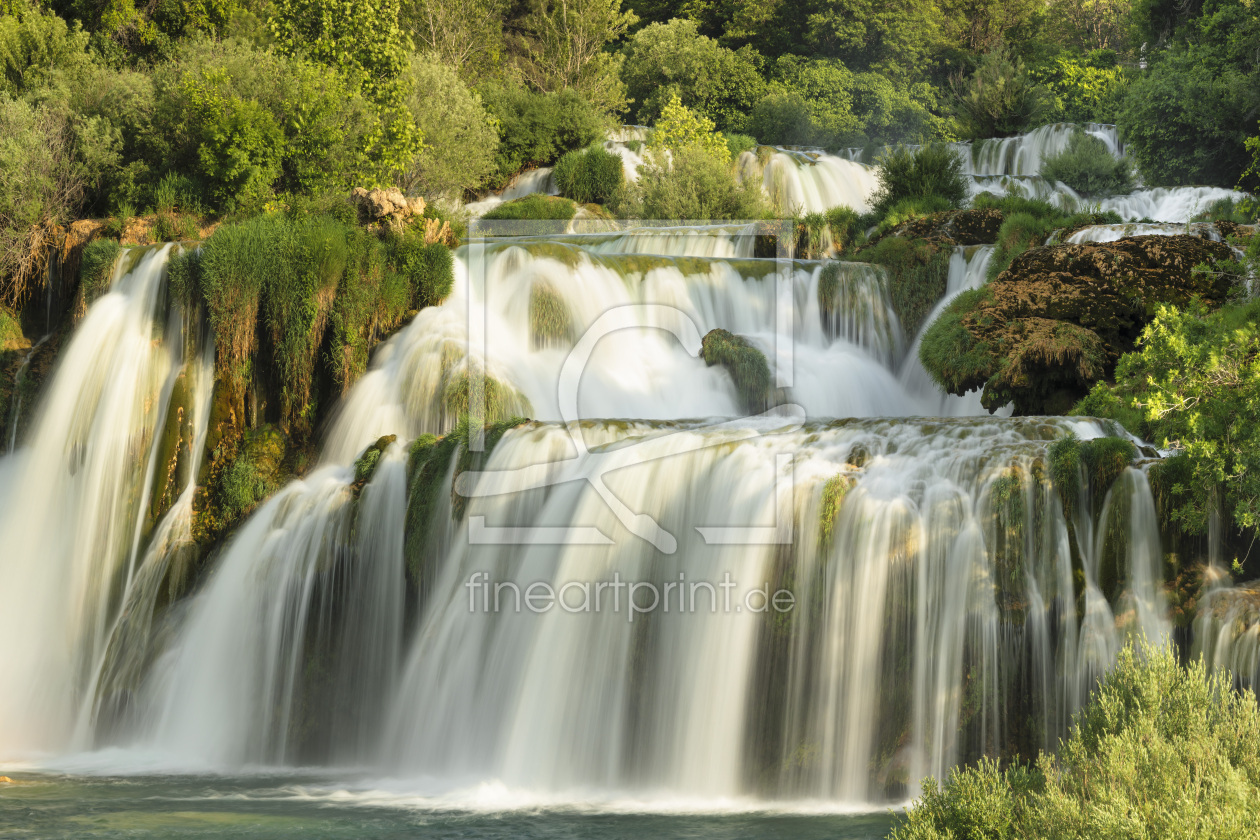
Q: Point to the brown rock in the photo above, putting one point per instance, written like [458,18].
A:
[1057,321]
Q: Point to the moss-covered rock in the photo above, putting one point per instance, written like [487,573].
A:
[955,227]
[1060,317]
[918,275]
[365,465]
[745,363]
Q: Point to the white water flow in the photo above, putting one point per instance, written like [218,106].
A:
[842,368]
[800,181]
[927,575]
[73,502]
[526,183]
[1023,154]
[1113,233]
[968,269]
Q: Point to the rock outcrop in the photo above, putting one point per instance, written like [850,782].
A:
[1054,323]
[381,205]
[957,227]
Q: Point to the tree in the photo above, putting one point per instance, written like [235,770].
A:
[465,34]
[681,128]
[1088,25]
[893,37]
[361,39]
[562,44]
[461,139]
[674,59]
[1000,98]
[1187,118]
[979,26]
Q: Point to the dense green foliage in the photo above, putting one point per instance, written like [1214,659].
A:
[1161,750]
[999,99]
[696,186]
[1194,385]
[1088,167]
[307,289]
[589,176]
[932,171]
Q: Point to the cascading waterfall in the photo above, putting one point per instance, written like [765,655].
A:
[1023,154]
[1113,233]
[945,601]
[809,181]
[75,499]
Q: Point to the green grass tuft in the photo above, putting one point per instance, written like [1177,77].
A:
[550,321]
[745,363]
[96,267]
[589,176]
[534,207]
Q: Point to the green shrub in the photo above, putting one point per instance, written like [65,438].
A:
[1187,118]
[737,144]
[536,207]
[696,186]
[589,176]
[782,118]
[1158,748]
[239,145]
[42,185]
[664,59]
[428,269]
[460,138]
[96,267]
[176,194]
[1088,167]
[174,227]
[745,363]
[931,170]
[1195,383]
[999,99]
[535,129]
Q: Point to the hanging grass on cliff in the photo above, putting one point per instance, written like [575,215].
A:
[308,288]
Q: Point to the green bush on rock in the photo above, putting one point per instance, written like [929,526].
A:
[1089,168]
[535,207]
[1159,748]
[932,171]
[589,176]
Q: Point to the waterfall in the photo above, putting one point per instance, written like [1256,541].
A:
[1023,154]
[641,590]
[74,500]
[809,181]
[1113,233]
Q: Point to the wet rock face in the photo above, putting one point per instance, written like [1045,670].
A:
[1061,316]
[957,227]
